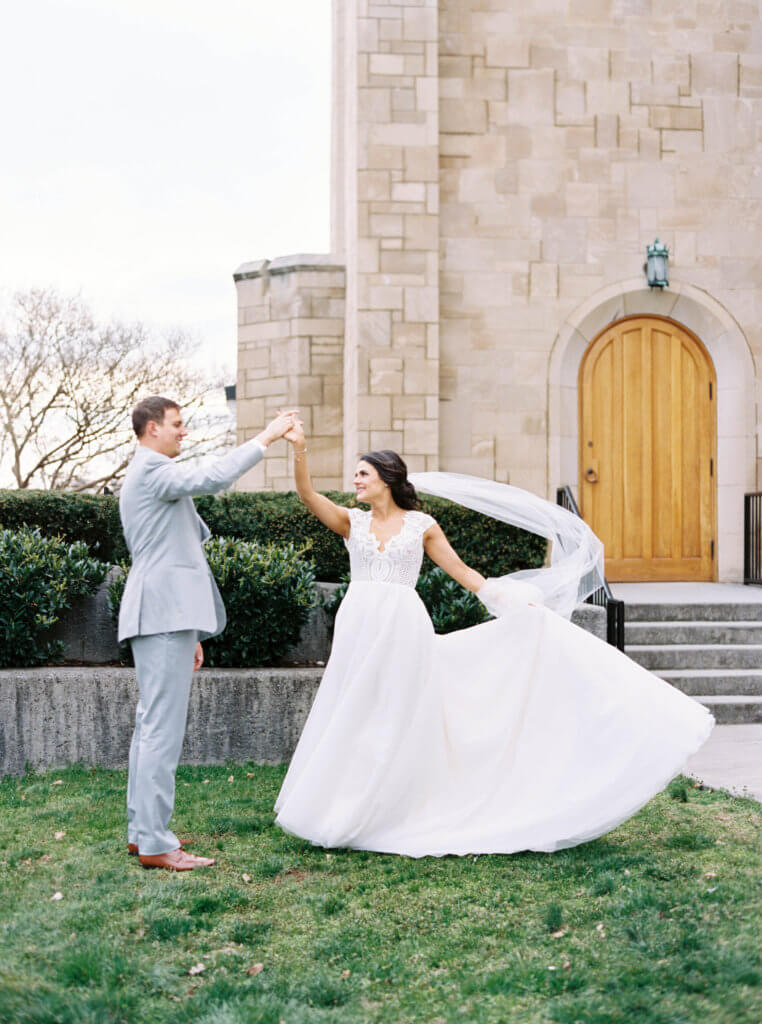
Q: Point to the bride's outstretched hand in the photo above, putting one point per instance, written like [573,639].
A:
[502,597]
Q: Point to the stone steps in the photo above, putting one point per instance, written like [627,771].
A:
[701,632]
[720,682]
[719,611]
[659,656]
[711,652]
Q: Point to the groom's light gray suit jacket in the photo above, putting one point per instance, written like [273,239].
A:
[170,585]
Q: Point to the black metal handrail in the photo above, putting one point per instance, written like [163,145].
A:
[752,537]
[603,596]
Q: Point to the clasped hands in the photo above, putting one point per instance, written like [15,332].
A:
[295,435]
[284,423]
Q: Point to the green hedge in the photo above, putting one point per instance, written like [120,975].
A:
[39,579]
[92,518]
[268,593]
[489,547]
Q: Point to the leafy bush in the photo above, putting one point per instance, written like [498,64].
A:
[268,593]
[39,578]
[92,518]
[267,517]
[449,605]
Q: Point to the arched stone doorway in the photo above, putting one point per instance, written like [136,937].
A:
[695,310]
[647,450]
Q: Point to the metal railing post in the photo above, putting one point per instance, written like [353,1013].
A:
[603,596]
[752,537]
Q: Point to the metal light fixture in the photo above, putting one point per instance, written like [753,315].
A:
[657,265]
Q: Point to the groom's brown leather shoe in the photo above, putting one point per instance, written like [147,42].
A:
[175,860]
[132,848]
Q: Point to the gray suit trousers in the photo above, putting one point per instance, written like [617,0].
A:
[164,669]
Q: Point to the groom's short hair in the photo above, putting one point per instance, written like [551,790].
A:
[148,409]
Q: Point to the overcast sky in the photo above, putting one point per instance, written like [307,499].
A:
[150,146]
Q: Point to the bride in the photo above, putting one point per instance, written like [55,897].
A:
[523,733]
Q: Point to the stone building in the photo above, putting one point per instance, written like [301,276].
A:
[499,169]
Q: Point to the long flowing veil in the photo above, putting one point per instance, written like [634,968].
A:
[576,554]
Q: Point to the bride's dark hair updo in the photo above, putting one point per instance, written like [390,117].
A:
[393,471]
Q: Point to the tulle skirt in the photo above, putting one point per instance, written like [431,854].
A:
[524,733]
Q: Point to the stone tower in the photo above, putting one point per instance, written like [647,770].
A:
[498,172]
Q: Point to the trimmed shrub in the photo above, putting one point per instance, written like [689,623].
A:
[39,578]
[92,518]
[490,547]
[450,606]
[268,593]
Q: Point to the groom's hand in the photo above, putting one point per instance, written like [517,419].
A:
[278,427]
[198,658]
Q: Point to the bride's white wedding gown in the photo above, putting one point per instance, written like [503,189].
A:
[523,733]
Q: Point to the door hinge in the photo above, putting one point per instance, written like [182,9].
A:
[711,548]
[710,391]
[711,467]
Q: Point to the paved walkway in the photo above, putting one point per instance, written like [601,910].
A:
[731,759]
[687,593]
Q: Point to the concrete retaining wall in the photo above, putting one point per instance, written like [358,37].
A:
[58,716]
[87,630]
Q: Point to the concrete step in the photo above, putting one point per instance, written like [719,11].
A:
[733,710]
[696,632]
[719,612]
[688,656]
[714,682]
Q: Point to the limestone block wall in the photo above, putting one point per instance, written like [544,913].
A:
[290,353]
[572,133]
[386,173]
[498,172]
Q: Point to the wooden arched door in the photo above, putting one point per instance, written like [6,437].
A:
[647,404]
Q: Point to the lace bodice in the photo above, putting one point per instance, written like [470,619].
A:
[399,562]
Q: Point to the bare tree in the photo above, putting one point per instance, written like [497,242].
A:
[68,385]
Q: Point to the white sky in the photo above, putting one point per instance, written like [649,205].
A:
[150,146]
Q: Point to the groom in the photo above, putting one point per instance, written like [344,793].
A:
[170,604]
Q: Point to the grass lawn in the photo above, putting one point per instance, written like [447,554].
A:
[656,923]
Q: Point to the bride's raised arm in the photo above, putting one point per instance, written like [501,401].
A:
[335,517]
[439,550]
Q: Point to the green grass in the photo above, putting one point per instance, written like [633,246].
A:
[656,923]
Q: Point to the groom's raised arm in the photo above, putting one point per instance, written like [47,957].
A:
[169,481]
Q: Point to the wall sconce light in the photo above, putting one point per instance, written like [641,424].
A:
[657,265]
